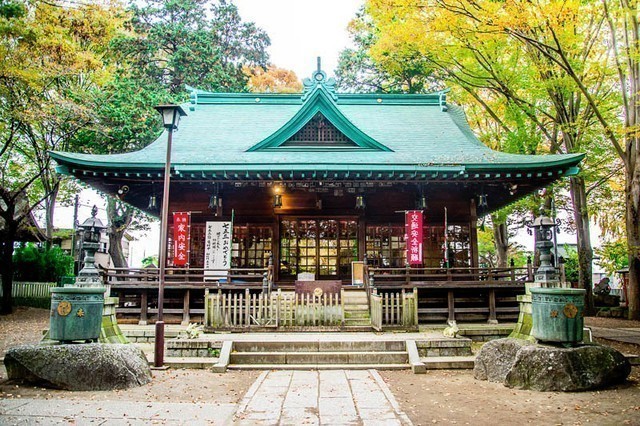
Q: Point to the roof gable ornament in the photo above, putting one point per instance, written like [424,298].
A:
[319,124]
[319,80]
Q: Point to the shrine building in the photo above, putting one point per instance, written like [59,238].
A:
[315,181]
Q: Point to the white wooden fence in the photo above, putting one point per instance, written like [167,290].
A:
[30,290]
[394,309]
[287,309]
[275,310]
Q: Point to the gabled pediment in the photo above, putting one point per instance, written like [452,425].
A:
[319,125]
[319,132]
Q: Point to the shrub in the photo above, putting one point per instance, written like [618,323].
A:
[33,263]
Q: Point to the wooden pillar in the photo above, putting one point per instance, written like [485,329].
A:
[492,307]
[186,317]
[451,307]
[144,307]
[362,237]
[275,249]
[473,232]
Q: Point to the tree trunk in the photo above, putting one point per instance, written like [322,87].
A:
[115,248]
[50,208]
[632,190]
[501,239]
[6,260]
[585,250]
[120,218]
[6,265]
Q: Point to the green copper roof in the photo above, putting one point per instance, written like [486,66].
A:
[389,132]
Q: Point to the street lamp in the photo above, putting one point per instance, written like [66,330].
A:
[170,117]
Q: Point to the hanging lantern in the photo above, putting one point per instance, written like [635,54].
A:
[215,201]
[482,202]
[422,202]
[153,203]
[360,203]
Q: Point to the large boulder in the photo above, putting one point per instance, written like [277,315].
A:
[93,366]
[521,364]
[496,357]
[548,368]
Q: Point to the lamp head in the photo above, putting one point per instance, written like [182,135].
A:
[170,115]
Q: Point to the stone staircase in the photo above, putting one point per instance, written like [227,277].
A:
[356,308]
[325,355]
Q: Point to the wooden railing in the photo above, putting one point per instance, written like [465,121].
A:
[193,277]
[412,277]
[278,309]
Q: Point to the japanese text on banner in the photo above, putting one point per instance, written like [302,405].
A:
[217,249]
[413,229]
[181,238]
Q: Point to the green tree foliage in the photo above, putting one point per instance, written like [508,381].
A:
[511,60]
[571,265]
[181,42]
[614,256]
[171,44]
[358,72]
[33,263]
[53,59]
[487,250]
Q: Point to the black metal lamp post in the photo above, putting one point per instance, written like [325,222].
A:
[170,117]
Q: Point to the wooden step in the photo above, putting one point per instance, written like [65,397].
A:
[448,362]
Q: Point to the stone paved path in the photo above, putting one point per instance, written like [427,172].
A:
[325,397]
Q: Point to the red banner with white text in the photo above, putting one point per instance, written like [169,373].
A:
[181,238]
[413,229]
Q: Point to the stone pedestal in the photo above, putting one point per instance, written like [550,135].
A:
[110,331]
[524,325]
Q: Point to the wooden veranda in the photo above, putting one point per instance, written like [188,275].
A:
[443,294]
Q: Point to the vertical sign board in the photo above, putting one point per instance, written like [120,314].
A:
[181,238]
[217,250]
[413,229]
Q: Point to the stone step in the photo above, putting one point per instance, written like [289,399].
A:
[448,362]
[357,328]
[321,346]
[186,362]
[319,358]
[633,359]
[318,367]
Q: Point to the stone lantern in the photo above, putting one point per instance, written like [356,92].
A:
[76,310]
[543,228]
[91,231]
[557,313]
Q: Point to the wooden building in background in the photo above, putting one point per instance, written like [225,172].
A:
[317,180]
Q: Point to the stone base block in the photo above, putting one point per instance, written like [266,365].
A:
[84,367]
[524,365]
